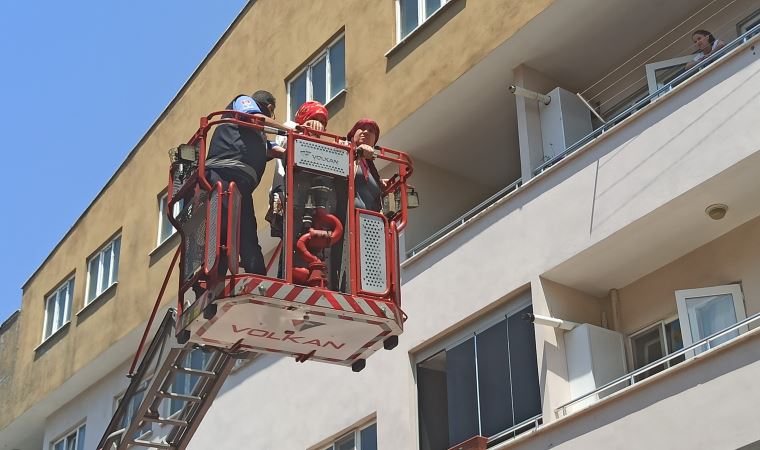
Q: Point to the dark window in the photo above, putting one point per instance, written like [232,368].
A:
[481,386]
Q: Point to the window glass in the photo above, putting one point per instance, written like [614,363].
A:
[92,272]
[368,438]
[105,277]
[462,392]
[319,80]
[409,16]
[62,306]
[674,340]
[80,438]
[49,316]
[494,379]
[709,315]
[297,93]
[337,67]
[481,386]
[647,348]
[346,443]
[431,6]
[116,254]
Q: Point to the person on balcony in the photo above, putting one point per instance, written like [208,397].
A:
[706,45]
[239,153]
[367,182]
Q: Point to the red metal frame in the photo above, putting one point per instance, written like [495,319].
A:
[197,183]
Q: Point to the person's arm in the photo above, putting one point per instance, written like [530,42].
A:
[365,151]
[719,45]
[275,151]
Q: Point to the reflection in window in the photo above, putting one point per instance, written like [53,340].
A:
[655,342]
[481,386]
[359,439]
[103,269]
[325,74]
[413,13]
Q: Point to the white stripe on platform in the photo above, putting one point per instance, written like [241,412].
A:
[303,296]
[364,306]
[322,301]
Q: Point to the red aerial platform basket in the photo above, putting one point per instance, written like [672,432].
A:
[338,297]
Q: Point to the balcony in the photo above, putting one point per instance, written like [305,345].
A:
[475,143]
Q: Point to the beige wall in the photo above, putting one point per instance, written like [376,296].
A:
[262,49]
[729,259]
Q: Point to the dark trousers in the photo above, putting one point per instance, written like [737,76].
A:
[251,258]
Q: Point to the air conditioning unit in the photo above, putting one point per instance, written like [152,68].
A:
[564,121]
[595,356]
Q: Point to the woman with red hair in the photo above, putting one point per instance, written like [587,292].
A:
[367,182]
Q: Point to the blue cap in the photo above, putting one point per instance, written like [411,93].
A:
[246,104]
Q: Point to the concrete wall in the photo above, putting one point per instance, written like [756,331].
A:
[709,402]
[732,258]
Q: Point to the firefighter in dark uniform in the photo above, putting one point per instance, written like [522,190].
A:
[239,154]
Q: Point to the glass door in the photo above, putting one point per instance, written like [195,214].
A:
[661,73]
[706,311]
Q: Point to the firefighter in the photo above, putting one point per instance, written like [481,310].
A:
[238,153]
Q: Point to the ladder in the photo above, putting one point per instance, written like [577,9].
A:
[169,394]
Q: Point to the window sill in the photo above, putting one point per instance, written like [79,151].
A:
[98,298]
[53,335]
[163,244]
[335,97]
[420,27]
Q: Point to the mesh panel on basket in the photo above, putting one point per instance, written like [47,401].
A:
[192,221]
[213,232]
[372,254]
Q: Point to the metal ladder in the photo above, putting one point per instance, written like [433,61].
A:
[161,409]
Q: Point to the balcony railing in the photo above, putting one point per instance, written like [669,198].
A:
[464,218]
[495,441]
[609,125]
[687,352]
[731,46]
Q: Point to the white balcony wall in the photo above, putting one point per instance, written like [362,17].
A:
[630,196]
[706,403]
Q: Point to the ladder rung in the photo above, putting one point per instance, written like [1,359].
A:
[186,398]
[189,371]
[167,421]
[150,444]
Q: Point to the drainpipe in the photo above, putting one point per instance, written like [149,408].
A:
[615,301]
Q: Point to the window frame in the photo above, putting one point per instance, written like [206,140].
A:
[67,307]
[324,53]
[661,326]
[682,297]
[143,387]
[421,19]
[517,303]
[75,431]
[354,433]
[163,202]
[113,270]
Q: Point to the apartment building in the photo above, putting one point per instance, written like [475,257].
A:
[624,221]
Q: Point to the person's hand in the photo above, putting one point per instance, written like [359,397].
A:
[314,125]
[365,151]
[277,152]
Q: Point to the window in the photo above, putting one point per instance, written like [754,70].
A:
[320,80]
[707,311]
[58,308]
[482,384]
[72,441]
[165,228]
[102,269]
[132,407]
[185,383]
[654,342]
[410,14]
[359,439]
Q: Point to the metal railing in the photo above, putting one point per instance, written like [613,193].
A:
[687,352]
[465,217]
[736,43]
[528,424]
